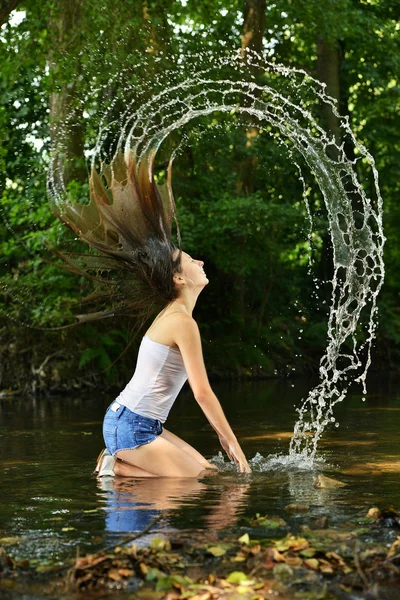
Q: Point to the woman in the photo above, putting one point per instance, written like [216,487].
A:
[129,222]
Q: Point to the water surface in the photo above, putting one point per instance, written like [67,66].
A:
[52,506]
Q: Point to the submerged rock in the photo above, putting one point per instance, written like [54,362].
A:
[324,482]
[297,508]
[321,523]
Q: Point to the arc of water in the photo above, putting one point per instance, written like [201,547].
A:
[358,269]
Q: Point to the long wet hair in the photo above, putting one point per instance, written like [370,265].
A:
[127,223]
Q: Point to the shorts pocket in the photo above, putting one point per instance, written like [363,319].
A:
[143,427]
[144,433]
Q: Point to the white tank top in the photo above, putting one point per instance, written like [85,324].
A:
[159,376]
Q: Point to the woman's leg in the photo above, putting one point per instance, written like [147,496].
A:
[162,458]
[123,469]
[177,441]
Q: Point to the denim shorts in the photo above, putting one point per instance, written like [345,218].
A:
[126,430]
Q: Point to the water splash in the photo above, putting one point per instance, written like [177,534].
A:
[288,463]
[289,101]
[272,463]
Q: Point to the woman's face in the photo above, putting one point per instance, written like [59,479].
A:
[192,270]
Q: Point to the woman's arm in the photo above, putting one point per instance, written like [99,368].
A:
[187,337]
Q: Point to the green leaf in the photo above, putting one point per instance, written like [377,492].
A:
[237,577]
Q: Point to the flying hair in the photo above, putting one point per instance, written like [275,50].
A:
[128,225]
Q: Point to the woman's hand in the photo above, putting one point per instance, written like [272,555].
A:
[234,452]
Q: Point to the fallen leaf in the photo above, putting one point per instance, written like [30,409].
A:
[96,560]
[153,573]
[292,542]
[114,575]
[394,548]
[293,561]
[325,567]
[159,543]
[373,513]
[276,555]
[341,563]
[312,563]
[9,541]
[259,585]
[165,583]
[242,589]
[81,562]
[216,551]
[43,568]
[244,539]
[131,550]
[126,572]
[308,553]
[272,523]
[223,583]
[237,577]
[238,558]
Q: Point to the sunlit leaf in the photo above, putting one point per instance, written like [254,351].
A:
[216,550]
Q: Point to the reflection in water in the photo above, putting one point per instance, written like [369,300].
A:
[375,468]
[132,504]
[301,487]
[51,505]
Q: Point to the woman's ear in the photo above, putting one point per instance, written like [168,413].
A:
[178,279]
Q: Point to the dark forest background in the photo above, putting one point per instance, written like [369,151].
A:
[239,196]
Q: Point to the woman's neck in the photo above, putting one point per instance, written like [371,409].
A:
[185,303]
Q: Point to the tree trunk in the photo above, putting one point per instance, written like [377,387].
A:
[253,26]
[344,101]
[252,39]
[328,71]
[66,120]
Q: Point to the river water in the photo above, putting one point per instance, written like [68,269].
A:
[51,505]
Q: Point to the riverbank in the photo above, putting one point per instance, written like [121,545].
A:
[82,359]
[359,559]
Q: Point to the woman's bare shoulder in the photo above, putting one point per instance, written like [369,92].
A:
[171,328]
[183,326]
[184,318]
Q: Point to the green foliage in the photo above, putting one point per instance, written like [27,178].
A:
[239,201]
[105,352]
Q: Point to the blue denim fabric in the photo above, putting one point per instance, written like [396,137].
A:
[126,430]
